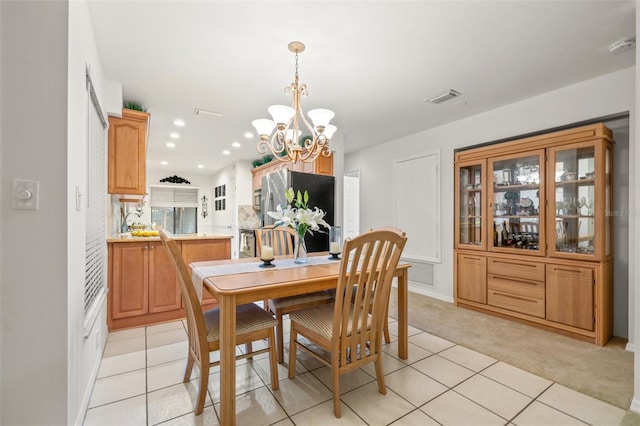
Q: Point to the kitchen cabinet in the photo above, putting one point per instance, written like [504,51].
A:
[533,211]
[127,153]
[143,287]
[129,276]
[320,166]
[144,280]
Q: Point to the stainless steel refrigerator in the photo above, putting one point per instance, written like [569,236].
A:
[321,194]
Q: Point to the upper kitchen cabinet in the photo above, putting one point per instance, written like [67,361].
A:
[320,166]
[127,152]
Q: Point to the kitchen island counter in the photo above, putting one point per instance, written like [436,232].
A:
[128,238]
[142,281]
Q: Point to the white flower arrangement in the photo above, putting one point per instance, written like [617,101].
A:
[301,218]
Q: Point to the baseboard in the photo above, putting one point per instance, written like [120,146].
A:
[631,347]
[635,405]
[419,289]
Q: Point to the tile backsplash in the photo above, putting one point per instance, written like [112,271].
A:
[248,217]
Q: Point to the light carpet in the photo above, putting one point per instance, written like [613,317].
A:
[605,373]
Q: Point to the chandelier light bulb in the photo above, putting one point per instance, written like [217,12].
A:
[289,136]
[263,126]
[329,130]
[281,114]
[320,117]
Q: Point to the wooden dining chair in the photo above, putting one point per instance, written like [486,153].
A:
[281,239]
[350,329]
[385,328]
[252,323]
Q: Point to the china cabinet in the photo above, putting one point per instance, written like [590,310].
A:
[533,231]
[469,205]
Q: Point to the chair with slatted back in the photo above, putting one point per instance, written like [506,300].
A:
[252,323]
[350,330]
[281,239]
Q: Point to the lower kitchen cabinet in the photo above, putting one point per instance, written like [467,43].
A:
[164,291]
[143,287]
[129,292]
[201,250]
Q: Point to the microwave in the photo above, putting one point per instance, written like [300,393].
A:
[257,196]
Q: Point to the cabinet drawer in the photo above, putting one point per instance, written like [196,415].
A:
[522,304]
[572,272]
[523,269]
[516,286]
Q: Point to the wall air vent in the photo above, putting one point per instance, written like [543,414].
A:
[622,45]
[444,96]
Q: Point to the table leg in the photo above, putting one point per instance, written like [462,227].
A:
[227,359]
[403,315]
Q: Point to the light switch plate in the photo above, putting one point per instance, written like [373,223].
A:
[25,194]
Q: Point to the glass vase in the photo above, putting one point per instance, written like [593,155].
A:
[300,249]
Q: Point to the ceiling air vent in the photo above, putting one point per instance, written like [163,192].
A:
[200,111]
[443,97]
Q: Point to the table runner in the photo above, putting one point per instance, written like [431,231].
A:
[198,275]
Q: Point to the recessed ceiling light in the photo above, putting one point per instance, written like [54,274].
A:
[236,144]
[179,123]
[226,152]
[164,163]
[201,166]
[174,135]
[171,145]
[248,135]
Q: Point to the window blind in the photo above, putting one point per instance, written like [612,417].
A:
[95,243]
[171,196]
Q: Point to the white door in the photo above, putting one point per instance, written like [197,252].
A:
[351,213]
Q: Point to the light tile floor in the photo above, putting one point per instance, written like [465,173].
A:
[140,383]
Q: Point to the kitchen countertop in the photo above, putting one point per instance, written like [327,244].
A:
[127,238]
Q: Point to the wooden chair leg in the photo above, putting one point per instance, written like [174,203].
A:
[387,336]
[380,375]
[280,336]
[248,348]
[292,353]
[202,392]
[189,369]
[272,361]
[336,391]
[385,327]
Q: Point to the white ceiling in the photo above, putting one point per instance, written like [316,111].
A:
[373,63]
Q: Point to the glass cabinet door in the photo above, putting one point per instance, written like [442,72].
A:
[579,196]
[516,213]
[470,202]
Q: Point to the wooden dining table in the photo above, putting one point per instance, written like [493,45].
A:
[238,281]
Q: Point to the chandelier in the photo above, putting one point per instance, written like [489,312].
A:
[282,135]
